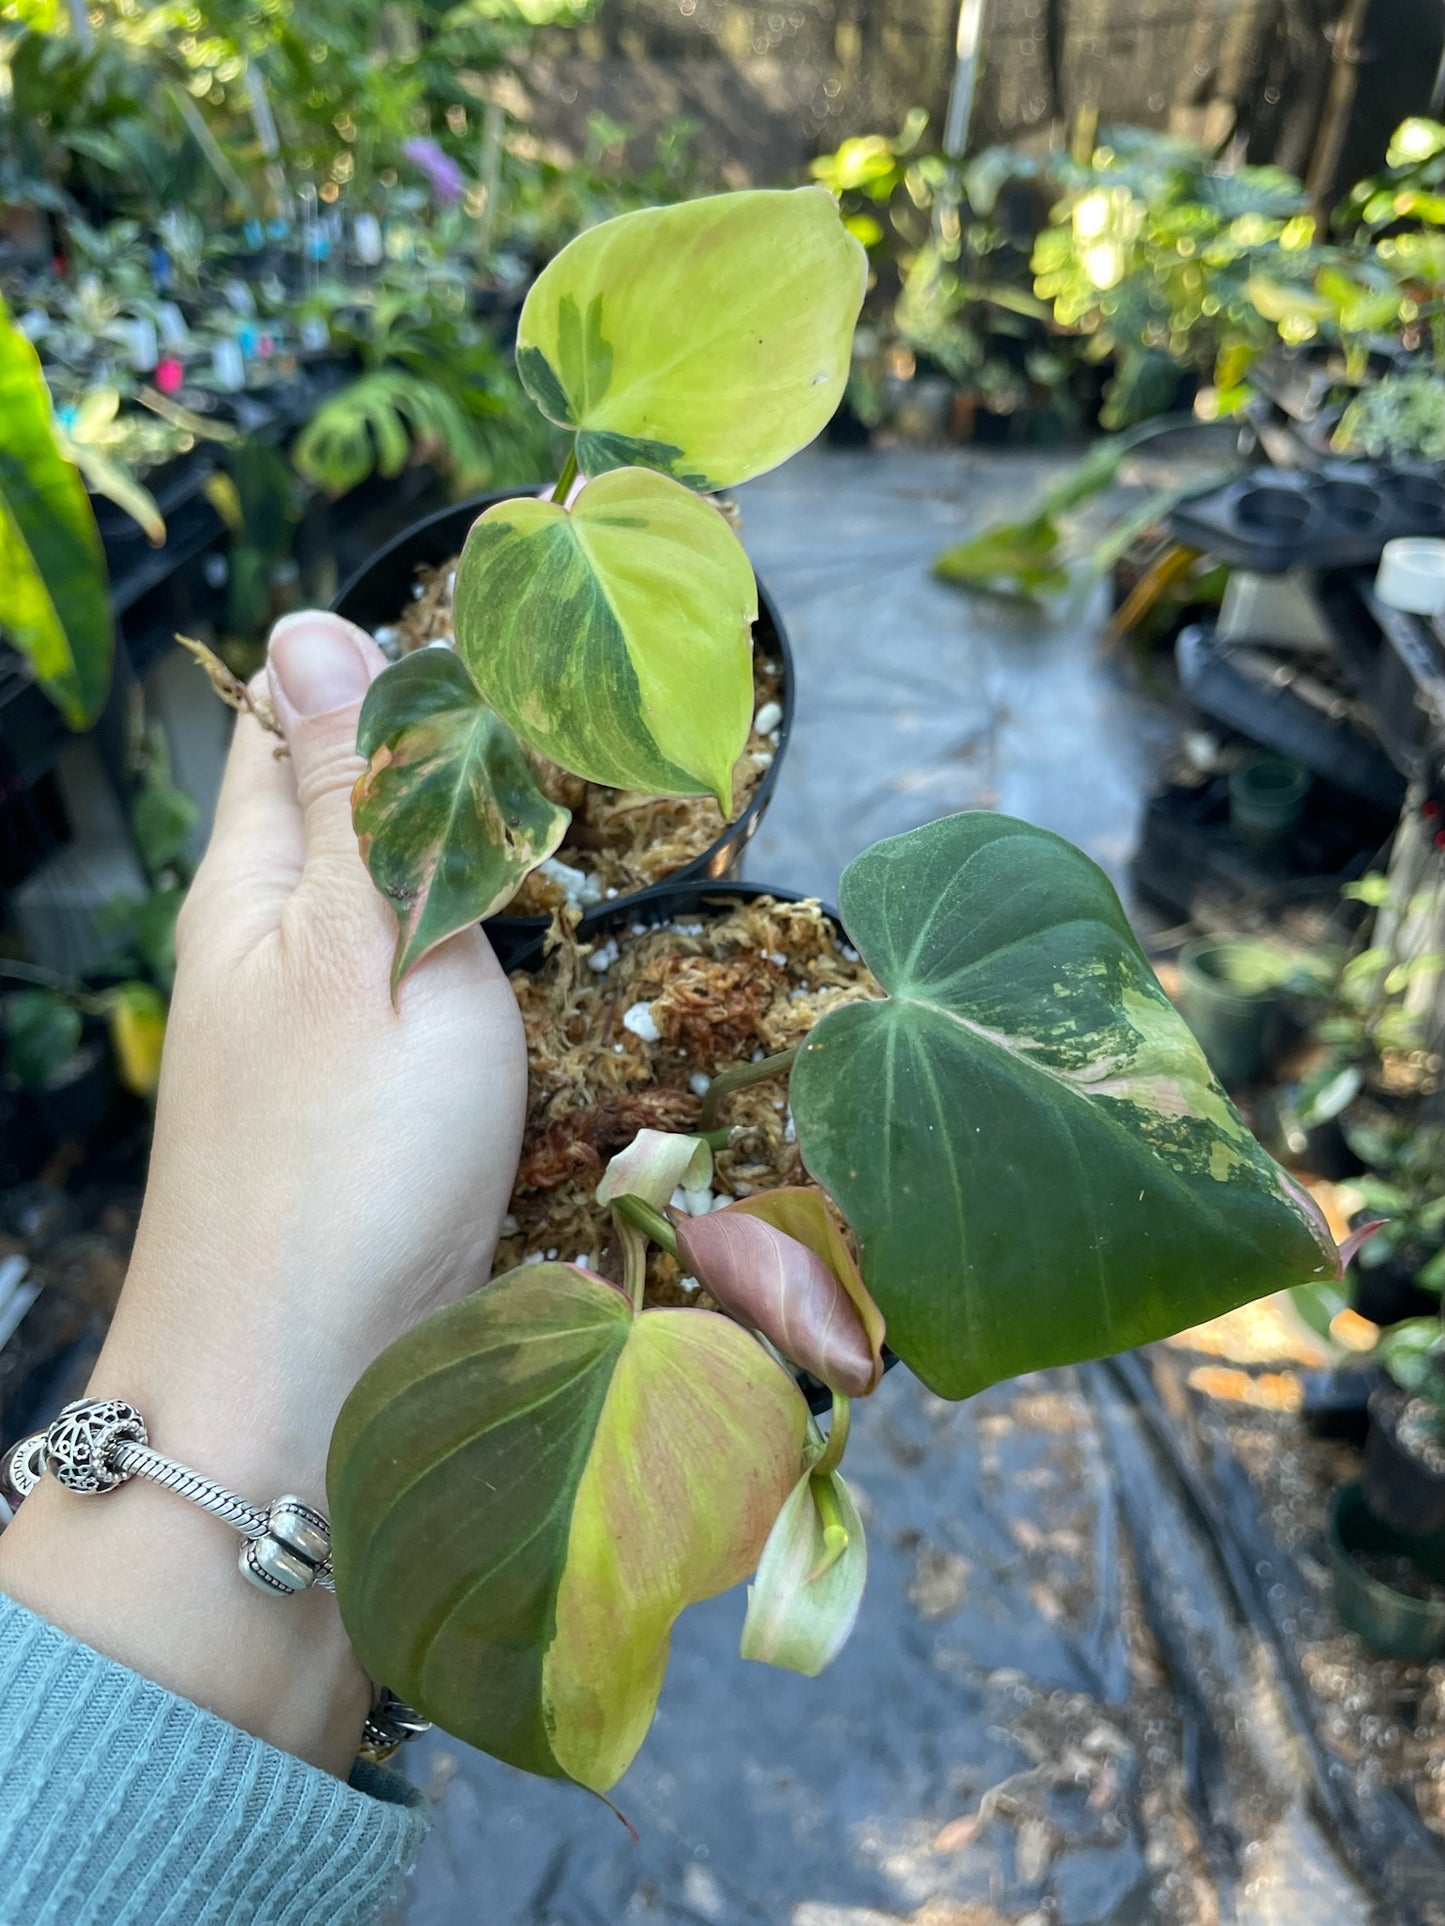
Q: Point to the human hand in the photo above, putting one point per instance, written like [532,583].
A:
[325,1172]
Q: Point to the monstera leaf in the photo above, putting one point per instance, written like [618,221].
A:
[1024,1135]
[447,814]
[614,635]
[709,341]
[54,601]
[529,1487]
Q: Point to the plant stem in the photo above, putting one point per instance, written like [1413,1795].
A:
[569,475]
[738,1078]
[645,1218]
[835,1533]
[717,1139]
[837,1436]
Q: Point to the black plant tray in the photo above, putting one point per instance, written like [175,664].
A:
[1261,697]
[1190,862]
[1277,518]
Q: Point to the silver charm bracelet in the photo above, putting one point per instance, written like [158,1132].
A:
[98,1444]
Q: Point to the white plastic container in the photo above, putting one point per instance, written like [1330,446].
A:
[1411,575]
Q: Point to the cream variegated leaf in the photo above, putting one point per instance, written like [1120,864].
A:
[709,341]
[615,635]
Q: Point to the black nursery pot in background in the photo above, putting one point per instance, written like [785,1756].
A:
[379,591]
[1399,1487]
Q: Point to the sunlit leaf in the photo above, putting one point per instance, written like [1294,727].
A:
[1025,1137]
[709,341]
[614,636]
[804,1601]
[529,1487]
[54,599]
[447,812]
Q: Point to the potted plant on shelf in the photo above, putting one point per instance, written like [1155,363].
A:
[1404,1475]
[1401,1272]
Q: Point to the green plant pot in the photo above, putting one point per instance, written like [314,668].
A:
[1235,1025]
[1266,797]
[1390,1622]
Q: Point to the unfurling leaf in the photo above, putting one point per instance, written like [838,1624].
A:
[1028,1142]
[54,600]
[529,1487]
[654,1165]
[806,1214]
[803,1603]
[447,814]
[709,341]
[614,636]
[785,1290]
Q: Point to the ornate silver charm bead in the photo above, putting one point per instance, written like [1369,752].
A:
[78,1446]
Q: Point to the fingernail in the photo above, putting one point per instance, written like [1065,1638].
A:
[317,665]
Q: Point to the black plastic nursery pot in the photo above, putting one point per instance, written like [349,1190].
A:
[1392,1622]
[1236,1027]
[662,904]
[1400,1488]
[1387,1293]
[379,590]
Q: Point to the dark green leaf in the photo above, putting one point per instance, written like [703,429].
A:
[42,1033]
[1027,1140]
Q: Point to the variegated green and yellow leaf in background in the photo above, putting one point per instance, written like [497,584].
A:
[615,636]
[1026,1138]
[54,594]
[447,813]
[529,1487]
[709,341]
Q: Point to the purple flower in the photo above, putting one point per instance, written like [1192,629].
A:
[447,181]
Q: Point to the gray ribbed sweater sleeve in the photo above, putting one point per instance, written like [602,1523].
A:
[123,1805]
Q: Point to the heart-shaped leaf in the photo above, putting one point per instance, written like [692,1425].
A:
[56,604]
[614,636]
[785,1290]
[709,341]
[529,1487]
[803,1603]
[447,814]
[1027,1140]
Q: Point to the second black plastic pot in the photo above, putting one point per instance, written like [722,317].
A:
[1399,1487]
[378,592]
[661,904]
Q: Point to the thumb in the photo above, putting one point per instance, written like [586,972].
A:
[320,669]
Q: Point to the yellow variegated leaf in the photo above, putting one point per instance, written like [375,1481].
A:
[529,1487]
[709,341]
[614,636]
